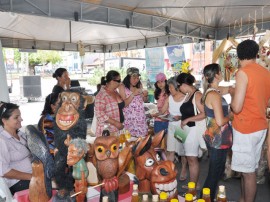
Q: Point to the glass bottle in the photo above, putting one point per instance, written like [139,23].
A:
[188,197]
[206,195]
[221,196]
[163,196]
[192,189]
[135,194]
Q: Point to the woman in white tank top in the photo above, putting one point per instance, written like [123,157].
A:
[173,104]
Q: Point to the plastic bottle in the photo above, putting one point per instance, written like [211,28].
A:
[206,195]
[221,196]
[188,197]
[145,198]
[192,189]
[135,193]
[163,197]
[155,198]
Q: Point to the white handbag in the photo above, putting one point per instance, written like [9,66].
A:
[200,126]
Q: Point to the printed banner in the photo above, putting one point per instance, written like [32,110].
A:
[154,58]
[176,56]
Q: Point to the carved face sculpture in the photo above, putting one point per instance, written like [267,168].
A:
[107,152]
[67,115]
[74,155]
[154,174]
[163,179]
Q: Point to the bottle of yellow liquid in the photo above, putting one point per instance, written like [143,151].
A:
[135,193]
[192,189]
[206,194]
[127,135]
[122,138]
[221,196]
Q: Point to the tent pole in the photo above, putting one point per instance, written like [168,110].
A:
[4,95]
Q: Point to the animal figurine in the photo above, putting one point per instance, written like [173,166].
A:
[154,174]
[110,163]
[76,151]
[70,120]
[40,188]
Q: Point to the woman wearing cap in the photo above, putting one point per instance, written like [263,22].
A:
[63,80]
[15,158]
[185,82]
[161,94]
[131,92]
[109,105]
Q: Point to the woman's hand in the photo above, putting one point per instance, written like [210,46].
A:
[118,125]
[137,91]
[184,122]
[177,118]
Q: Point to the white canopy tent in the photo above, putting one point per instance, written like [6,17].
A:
[113,25]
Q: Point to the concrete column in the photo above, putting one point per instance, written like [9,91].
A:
[4,95]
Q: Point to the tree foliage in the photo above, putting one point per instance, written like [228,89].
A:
[42,57]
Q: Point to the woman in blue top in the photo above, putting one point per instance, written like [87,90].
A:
[47,120]
[218,135]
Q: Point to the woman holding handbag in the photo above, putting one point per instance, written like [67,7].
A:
[189,118]
[218,135]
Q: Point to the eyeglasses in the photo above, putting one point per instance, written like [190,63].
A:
[118,81]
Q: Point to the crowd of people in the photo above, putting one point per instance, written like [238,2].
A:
[120,105]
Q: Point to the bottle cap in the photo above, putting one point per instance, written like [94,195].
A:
[155,197]
[189,197]
[201,200]
[135,186]
[174,200]
[221,188]
[191,185]
[206,191]
[105,199]
[163,195]
[145,197]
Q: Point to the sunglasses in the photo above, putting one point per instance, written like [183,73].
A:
[118,81]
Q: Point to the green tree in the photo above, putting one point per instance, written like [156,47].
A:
[17,58]
[41,58]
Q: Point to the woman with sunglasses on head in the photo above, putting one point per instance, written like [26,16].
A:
[218,135]
[193,100]
[132,92]
[109,105]
[15,158]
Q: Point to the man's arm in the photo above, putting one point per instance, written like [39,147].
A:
[240,92]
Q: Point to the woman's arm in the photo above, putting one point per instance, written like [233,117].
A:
[15,174]
[128,99]
[215,101]
[163,109]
